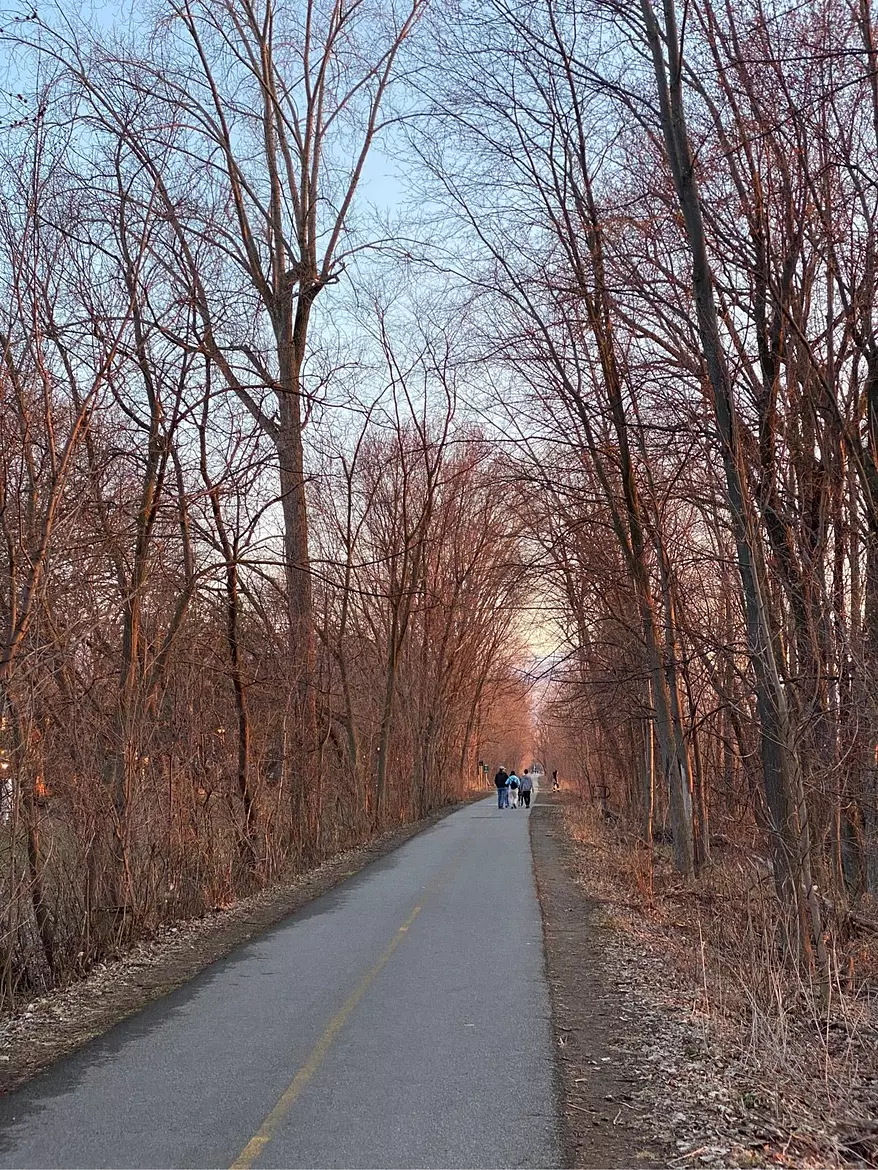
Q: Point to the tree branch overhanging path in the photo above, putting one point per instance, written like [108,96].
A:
[392,391]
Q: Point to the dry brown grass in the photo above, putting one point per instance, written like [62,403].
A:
[808,1069]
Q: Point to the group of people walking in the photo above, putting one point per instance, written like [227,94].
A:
[513,789]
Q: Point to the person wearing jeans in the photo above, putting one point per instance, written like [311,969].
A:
[501,780]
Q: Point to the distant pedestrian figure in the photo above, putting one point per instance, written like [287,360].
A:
[527,785]
[514,785]
[556,786]
[501,780]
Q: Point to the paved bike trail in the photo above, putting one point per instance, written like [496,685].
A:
[401,1020]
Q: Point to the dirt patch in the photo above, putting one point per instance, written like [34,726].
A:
[605,1109]
[57,1024]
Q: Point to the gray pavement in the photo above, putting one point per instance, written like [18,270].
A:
[400,1020]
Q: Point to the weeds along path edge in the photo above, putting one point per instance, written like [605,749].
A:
[56,1025]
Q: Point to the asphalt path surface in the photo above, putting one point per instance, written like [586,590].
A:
[400,1020]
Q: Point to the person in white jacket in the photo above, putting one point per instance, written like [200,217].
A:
[527,786]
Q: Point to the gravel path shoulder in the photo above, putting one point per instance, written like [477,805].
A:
[596,1032]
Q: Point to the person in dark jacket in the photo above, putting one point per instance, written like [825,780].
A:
[501,780]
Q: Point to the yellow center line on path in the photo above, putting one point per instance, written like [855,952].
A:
[266,1131]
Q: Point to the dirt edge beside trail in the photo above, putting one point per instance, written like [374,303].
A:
[603,1123]
[56,1025]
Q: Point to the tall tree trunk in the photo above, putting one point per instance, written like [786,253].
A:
[303,643]
[781,776]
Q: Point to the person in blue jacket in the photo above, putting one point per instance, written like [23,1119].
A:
[514,786]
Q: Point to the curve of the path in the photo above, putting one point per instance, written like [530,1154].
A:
[400,1020]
